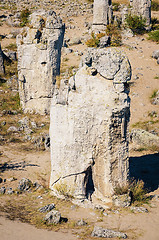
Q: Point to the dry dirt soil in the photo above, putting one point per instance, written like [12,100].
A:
[35,165]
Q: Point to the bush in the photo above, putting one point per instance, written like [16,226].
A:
[137,190]
[154,6]
[113,31]
[154,36]
[136,23]
[95,40]
[154,24]
[24,17]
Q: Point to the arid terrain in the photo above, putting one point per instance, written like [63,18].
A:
[21,157]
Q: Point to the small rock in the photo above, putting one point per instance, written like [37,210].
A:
[47,208]
[104,41]
[123,200]
[12,129]
[81,223]
[10,191]
[33,125]
[155,54]
[2,190]
[3,123]
[107,233]
[24,184]
[139,209]
[105,214]
[53,217]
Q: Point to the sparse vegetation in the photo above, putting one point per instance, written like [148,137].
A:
[115,6]
[94,40]
[114,32]
[154,94]
[154,36]
[12,47]
[24,16]
[136,23]
[137,190]
[155,5]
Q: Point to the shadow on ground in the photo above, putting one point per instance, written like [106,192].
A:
[146,168]
[16,166]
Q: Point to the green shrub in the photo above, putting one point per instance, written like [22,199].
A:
[24,17]
[154,5]
[154,24]
[113,31]
[136,23]
[154,36]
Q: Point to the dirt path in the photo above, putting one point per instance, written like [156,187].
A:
[15,230]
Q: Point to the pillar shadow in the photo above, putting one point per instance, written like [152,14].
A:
[146,168]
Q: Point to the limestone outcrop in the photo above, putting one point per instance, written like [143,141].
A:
[142,8]
[89,126]
[39,54]
[102,14]
[1,62]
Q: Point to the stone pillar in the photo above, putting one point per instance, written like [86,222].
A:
[89,127]
[102,14]
[142,8]
[2,70]
[39,56]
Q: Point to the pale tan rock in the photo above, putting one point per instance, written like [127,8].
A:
[39,55]
[89,127]
[102,14]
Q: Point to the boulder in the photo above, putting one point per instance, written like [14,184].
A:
[47,208]
[107,233]
[24,184]
[53,217]
[144,138]
[123,200]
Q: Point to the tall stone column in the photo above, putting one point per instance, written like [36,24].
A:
[102,14]
[89,127]
[39,56]
[142,8]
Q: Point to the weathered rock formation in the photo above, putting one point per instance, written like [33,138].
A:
[142,8]
[39,54]
[102,14]
[1,61]
[88,129]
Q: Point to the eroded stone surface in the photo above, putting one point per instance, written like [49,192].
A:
[39,54]
[142,8]
[88,129]
[102,14]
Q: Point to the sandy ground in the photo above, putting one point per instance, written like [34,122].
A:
[15,230]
